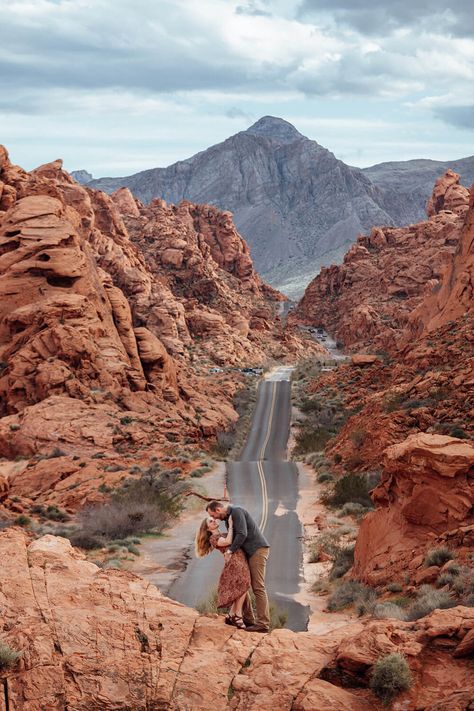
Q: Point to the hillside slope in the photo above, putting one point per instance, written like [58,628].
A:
[297,205]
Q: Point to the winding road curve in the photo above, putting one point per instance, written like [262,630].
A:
[266,484]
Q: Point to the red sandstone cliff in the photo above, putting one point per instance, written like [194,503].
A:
[367,301]
[106,639]
[106,319]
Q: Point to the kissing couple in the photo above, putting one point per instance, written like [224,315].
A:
[245,551]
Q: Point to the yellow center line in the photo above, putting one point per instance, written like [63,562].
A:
[261,472]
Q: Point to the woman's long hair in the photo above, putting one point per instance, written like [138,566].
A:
[202,544]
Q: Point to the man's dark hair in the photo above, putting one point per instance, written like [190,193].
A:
[213,506]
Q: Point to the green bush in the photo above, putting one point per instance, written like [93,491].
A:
[343,561]
[8,656]
[352,488]
[22,520]
[438,556]
[390,676]
[325,476]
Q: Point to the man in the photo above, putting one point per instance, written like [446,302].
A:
[248,536]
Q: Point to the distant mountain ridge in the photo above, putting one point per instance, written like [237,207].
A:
[298,206]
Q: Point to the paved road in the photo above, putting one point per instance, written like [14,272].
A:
[267,485]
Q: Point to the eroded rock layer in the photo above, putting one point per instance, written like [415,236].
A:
[108,337]
[368,301]
[108,640]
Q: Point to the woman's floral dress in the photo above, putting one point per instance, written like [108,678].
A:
[235,576]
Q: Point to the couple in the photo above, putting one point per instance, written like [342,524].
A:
[245,552]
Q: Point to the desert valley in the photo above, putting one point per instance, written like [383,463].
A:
[137,346]
[236,355]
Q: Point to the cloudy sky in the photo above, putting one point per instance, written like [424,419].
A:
[117,86]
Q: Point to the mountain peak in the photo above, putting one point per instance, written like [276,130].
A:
[275,128]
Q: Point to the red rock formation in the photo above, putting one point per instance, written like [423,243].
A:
[423,501]
[96,322]
[368,300]
[106,639]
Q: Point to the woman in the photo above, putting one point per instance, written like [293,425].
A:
[235,577]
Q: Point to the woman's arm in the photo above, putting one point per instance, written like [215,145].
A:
[227,540]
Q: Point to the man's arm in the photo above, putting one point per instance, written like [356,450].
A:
[240,530]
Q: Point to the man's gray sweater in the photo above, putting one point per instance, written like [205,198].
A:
[247,534]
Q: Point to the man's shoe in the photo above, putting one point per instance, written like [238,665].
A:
[257,628]
[248,622]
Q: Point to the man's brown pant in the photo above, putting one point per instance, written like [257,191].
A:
[257,565]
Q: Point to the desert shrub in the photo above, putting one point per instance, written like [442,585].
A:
[394,587]
[428,600]
[8,656]
[200,471]
[325,476]
[401,600]
[22,520]
[209,603]
[139,505]
[390,676]
[53,513]
[445,579]
[278,616]
[314,552]
[351,508]
[350,488]
[458,432]
[347,593]
[453,568]
[343,561]
[310,439]
[388,610]
[320,585]
[83,539]
[337,458]
[127,420]
[463,585]
[112,564]
[310,405]
[438,556]
[365,603]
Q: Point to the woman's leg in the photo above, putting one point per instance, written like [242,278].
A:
[237,605]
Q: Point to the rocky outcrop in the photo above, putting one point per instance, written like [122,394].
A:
[106,639]
[280,187]
[423,501]
[368,301]
[110,313]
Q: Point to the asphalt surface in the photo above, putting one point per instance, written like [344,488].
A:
[267,486]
